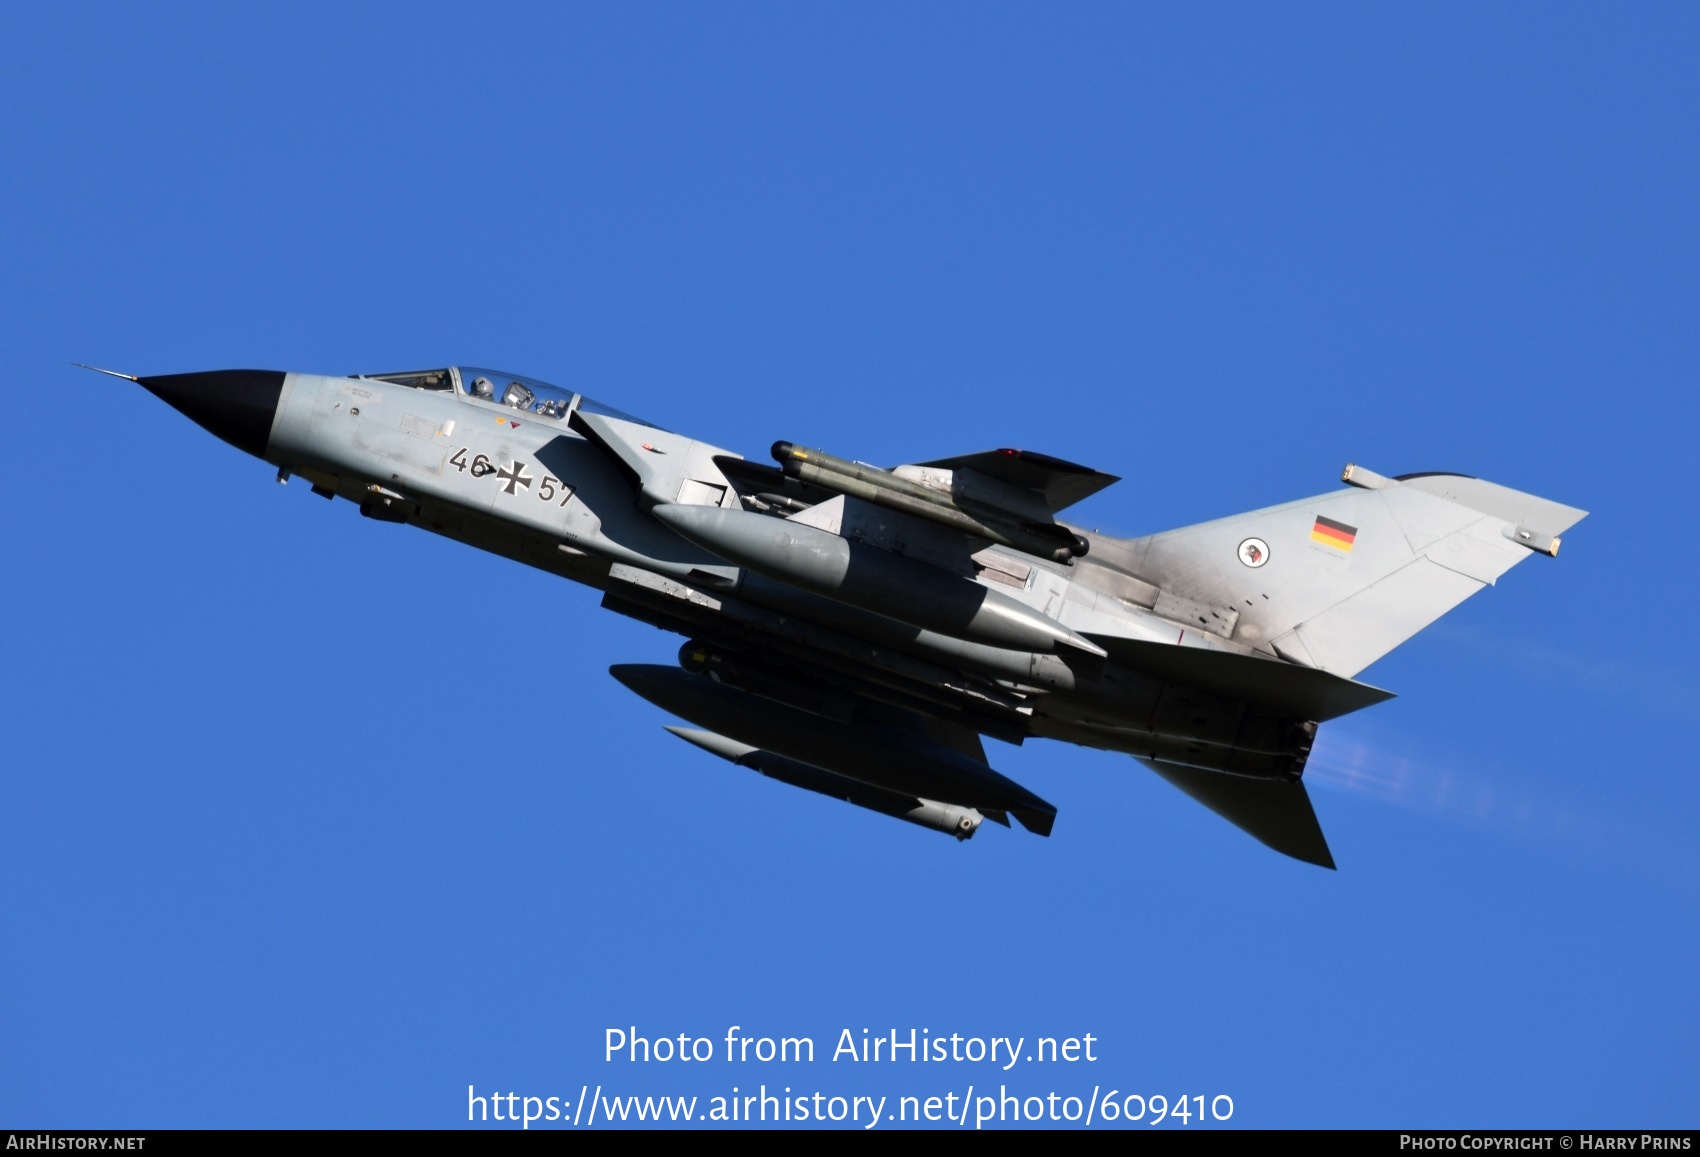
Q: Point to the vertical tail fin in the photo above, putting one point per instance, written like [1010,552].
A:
[1337,581]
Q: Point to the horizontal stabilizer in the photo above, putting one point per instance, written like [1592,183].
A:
[1036,820]
[1061,484]
[1276,812]
[1286,688]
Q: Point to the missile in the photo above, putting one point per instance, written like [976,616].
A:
[961,822]
[872,579]
[884,488]
[867,752]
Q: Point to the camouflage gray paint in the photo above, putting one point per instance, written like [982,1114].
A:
[854,631]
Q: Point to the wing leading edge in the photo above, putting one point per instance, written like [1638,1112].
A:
[1059,483]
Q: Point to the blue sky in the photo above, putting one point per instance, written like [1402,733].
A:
[314,821]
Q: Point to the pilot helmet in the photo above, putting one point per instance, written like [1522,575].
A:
[483,388]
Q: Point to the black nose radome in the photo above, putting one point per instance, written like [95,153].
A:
[237,405]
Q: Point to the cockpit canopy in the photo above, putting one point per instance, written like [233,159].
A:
[514,391]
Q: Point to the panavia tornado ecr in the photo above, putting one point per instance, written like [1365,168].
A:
[855,631]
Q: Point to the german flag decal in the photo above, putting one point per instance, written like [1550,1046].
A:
[1335,534]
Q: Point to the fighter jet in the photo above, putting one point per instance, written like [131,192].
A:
[855,631]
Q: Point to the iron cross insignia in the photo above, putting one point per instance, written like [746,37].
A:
[514,475]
